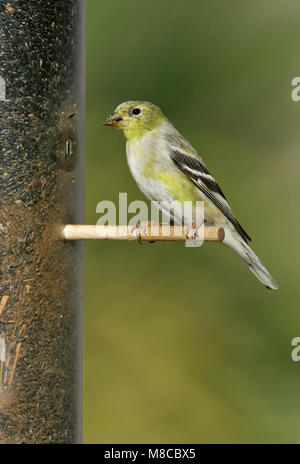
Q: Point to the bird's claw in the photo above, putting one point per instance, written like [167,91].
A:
[139,229]
[191,231]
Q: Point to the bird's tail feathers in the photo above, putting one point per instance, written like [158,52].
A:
[236,243]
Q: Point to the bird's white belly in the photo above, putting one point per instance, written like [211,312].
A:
[155,191]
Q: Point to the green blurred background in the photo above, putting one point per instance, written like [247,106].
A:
[184,345]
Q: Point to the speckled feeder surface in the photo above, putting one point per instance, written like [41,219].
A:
[41,185]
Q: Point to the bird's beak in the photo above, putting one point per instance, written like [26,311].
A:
[114,120]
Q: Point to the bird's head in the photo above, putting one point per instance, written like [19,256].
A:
[136,118]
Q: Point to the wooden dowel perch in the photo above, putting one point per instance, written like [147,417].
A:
[149,233]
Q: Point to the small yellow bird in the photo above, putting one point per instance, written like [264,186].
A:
[168,169]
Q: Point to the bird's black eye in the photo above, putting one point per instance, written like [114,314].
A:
[136,111]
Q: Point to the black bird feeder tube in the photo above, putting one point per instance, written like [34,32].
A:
[41,188]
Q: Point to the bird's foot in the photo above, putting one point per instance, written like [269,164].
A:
[191,231]
[139,229]
[142,228]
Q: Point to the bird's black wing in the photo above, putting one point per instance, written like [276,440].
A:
[198,173]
